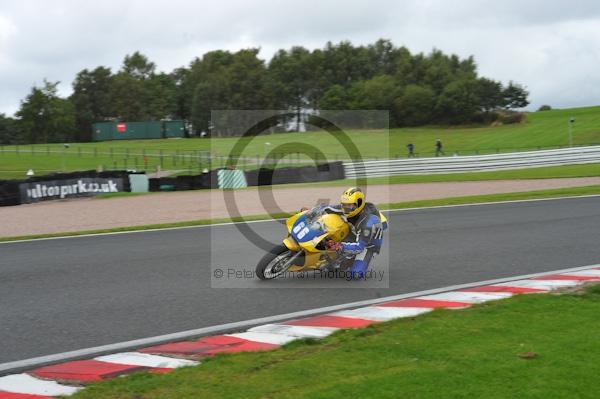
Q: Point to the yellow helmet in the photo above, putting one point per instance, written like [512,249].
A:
[352,201]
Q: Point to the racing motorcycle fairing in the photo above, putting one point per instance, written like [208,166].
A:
[308,231]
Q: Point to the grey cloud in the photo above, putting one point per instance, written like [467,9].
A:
[548,46]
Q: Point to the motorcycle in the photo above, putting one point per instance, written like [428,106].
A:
[304,248]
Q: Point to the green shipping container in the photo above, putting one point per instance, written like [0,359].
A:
[104,131]
[141,130]
[174,129]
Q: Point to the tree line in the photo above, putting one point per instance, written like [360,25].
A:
[417,89]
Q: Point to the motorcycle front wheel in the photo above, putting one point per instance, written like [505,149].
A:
[275,262]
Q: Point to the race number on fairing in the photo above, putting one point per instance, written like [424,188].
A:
[301,230]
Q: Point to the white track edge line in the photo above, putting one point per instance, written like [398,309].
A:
[26,364]
[275,220]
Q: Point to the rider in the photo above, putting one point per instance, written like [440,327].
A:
[367,230]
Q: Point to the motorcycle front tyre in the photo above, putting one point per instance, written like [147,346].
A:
[264,269]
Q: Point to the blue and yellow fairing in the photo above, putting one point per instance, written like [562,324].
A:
[305,235]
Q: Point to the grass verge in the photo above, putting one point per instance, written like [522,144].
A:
[563,192]
[546,129]
[529,346]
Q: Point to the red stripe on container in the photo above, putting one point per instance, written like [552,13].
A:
[425,303]
[86,371]
[331,321]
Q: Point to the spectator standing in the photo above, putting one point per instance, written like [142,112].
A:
[411,150]
[438,148]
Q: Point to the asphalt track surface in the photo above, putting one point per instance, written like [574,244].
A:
[68,294]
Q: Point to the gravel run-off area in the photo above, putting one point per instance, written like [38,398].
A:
[94,213]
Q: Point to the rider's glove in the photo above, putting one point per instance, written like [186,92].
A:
[334,245]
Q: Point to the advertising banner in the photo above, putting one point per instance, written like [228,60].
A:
[69,188]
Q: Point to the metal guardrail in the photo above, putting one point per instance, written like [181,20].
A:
[475,163]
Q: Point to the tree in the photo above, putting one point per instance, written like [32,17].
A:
[515,96]
[241,83]
[179,76]
[45,117]
[201,70]
[91,99]
[336,98]
[248,81]
[415,107]
[138,66]
[138,93]
[9,130]
[320,80]
[403,71]
[127,97]
[209,95]
[383,57]
[490,94]
[292,73]
[160,97]
[338,76]
[437,71]
[376,93]
[346,64]
[458,102]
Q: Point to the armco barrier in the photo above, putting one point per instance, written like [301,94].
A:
[478,163]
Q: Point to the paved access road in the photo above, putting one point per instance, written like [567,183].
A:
[67,294]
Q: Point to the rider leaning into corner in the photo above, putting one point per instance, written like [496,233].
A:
[366,236]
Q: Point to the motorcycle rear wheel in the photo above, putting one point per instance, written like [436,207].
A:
[273,264]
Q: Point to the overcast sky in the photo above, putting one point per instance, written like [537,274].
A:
[552,47]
